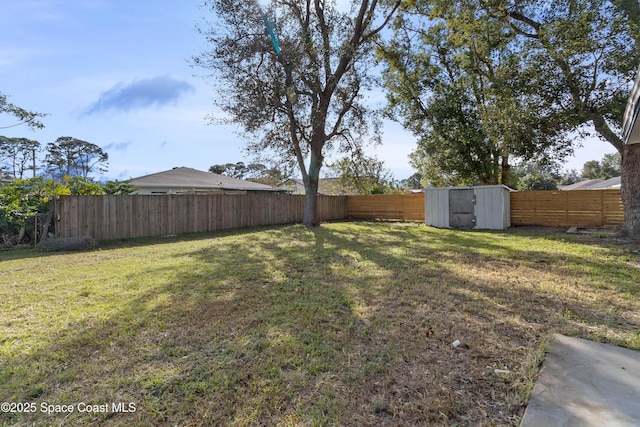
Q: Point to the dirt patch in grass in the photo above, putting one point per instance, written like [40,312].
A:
[349,324]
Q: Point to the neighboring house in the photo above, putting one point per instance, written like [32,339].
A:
[594,184]
[608,184]
[326,187]
[187,180]
[581,185]
[631,124]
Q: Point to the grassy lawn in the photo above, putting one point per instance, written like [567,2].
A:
[349,324]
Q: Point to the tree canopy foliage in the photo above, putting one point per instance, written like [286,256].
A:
[256,172]
[483,84]
[69,156]
[20,115]
[486,84]
[296,86]
[363,174]
[537,176]
[610,166]
[18,155]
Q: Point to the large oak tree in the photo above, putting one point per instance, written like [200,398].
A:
[567,66]
[293,76]
[461,96]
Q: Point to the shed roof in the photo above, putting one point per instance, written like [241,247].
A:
[476,187]
[188,178]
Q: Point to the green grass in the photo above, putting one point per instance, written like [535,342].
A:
[348,324]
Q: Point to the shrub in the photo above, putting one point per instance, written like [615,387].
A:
[20,201]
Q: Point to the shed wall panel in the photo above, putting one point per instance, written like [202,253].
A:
[437,207]
[492,208]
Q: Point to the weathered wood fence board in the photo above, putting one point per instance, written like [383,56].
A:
[121,217]
[408,207]
[582,208]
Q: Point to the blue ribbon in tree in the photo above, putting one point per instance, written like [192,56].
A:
[271,29]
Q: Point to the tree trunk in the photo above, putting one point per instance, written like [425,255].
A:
[504,170]
[630,190]
[310,206]
[45,226]
[310,217]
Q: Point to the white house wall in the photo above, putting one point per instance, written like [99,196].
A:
[154,190]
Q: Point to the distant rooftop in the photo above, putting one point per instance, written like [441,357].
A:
[594,184]
[185,179]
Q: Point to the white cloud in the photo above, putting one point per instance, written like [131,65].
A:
[139,94]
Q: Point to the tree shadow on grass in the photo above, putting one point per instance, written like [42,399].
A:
[28,253]
[348,324]
[231,334]
[502,299]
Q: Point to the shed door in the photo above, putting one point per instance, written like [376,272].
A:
[461,208]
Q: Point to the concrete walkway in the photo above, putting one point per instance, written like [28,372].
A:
[584,383]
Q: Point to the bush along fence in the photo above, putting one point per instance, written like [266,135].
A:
[24,210]
[125,216]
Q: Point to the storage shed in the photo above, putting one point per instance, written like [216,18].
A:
[485,207]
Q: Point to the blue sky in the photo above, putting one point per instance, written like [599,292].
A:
[116,73]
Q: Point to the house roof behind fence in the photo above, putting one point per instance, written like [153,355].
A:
[594,184]
[581,185]
[188,178]
[607,184]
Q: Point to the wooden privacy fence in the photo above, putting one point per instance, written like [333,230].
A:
[408,207]
[580,208]
[121,217]
[584,208]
